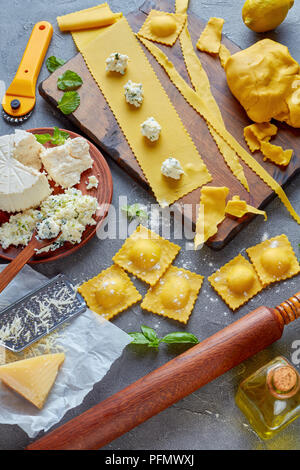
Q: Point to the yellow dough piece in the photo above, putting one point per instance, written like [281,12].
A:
[256,133]
[174,295]
[276,154]
[162,27]
[274,260]
[210,38]
[199,104]
[238,208]
[33,378]
[265,79]
[174,139]
[224,55]
[94,17]
[236,282]
[110,292]
[211,213]
[146,255]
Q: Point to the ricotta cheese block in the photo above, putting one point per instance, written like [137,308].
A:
[134,93]
[27,149]
[172,168]
[92,182]
[117,62]
[151,129]
[21,187]
[65,163]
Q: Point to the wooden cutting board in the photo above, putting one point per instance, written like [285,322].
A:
[96,121]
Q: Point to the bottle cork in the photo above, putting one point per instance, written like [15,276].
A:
[283,381]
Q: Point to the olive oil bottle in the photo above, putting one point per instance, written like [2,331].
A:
[270,398]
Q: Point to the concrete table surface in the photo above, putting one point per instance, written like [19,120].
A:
[209,418]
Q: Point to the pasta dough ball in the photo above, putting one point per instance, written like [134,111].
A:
[175,293]
[163,26]
[240,279]
[145,253]
[276,261]
[110,292]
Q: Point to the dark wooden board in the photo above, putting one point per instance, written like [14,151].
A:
[94,118]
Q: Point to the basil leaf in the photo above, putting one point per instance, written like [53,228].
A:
[69,102]
[53,63]
[149,333]
[180,337]
[69,81]
[138,338]
[43,138]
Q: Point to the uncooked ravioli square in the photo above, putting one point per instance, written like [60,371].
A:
[174,295]
[159,23]
[146,255]
[236,282]
[110,292]
[274,259]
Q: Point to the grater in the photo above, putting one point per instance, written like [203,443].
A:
[39,312]
[19,99]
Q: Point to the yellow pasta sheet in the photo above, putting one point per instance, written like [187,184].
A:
[238,208]
[210,38]
[174,140]
[94,17]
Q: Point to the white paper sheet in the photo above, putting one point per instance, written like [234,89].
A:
[91,345]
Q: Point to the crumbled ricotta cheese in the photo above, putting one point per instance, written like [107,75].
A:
[151,129]
[65,163]
[172,168]
[92,182]
[71,211]
[134,93]
[48,228]
[117,62]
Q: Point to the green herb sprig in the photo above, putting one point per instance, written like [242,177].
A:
[58,138]
[134,211]
[148,337]
[53,63]
[69,81]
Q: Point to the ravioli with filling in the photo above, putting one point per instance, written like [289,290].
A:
[236,282]
[146,255]
[110,292]
[274,260]
[162,27]
[174,295]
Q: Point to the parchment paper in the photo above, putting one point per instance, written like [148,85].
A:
[91,345]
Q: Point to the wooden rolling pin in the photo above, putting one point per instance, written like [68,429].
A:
[176,379]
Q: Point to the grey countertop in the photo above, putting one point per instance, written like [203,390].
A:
[208,418]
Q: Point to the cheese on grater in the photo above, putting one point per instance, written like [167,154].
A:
[33,378]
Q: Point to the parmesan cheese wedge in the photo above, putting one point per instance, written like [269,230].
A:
[33,378]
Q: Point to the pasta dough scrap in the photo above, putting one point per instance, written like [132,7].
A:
[258,132]
[236,282]
[224,55]
[274,260]
[146,255]
[210,38]
[174,295]
[174,140]
[211,213]
[94,17]
[276,154]
[110,292]
[238,208]
[162,27]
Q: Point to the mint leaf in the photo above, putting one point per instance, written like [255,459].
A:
[180,337]
[53,63]
[43,138]
[58,138]
[69,81]
[69,102]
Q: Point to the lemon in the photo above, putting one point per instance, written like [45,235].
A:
[265,15]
